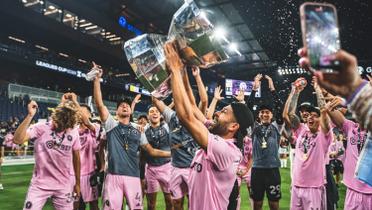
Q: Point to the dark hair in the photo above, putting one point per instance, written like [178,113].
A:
[142,116]
[87,107]
[124,100]
[150,106]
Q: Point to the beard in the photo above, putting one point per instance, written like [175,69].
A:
[123,115]
[218,128]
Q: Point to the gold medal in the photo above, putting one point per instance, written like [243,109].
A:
[305,156]
[264,145]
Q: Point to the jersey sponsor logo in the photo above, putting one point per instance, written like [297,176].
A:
[198,167]
[49,144]
[28,205]
[69,137]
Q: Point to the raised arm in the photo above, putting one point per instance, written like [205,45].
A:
[278,103]
[201,89]
[183,105]
[216,98]
[102,109]
[197,112]
[20,135]
[256,86]
[289,111]
[135,101]
[159,104]
[336,116]
[324,120]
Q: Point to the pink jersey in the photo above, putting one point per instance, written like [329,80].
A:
[355,141]
[8,140]
[336,147]
[53,155]
[247,154]
[310,154]
[89,144]
[296,132]
[213,174]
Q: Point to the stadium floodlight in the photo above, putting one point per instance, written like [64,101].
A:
[85,25]
[220,33]
[234,48]
[91,27]
[203,14]
[115,39]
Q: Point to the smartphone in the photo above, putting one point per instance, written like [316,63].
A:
[320,34]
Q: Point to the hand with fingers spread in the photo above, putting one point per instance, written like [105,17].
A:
[240,96]
[257,82]
[217,93]
[174,61]
[343,82]
[271,83]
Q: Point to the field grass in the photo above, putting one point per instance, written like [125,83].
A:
[16,180]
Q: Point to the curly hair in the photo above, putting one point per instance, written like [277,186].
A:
[65,116]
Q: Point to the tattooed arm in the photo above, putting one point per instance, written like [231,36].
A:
[289,112]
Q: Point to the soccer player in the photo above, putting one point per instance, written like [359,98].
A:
[308,183]
[292,123]
[215,165]
[123,142]
[57,159]
[183,148]
[88,133]
[358,194]
[158,170]
[265,176]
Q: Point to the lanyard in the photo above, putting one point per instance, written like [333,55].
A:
[306,142]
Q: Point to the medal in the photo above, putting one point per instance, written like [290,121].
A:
[264,144]
[304,156]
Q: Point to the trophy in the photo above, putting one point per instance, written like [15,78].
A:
[198,46]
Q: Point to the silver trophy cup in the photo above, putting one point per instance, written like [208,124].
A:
[197,43]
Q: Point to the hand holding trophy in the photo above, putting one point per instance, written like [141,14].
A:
[197,46]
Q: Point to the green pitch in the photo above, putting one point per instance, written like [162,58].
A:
[16,179]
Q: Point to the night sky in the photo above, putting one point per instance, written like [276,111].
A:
[276,26]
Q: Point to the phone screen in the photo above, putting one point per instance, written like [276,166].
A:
[322,35]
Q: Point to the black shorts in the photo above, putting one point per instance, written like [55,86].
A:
[337,166]
[265,180]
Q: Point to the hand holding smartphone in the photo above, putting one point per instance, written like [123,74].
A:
[320,35]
